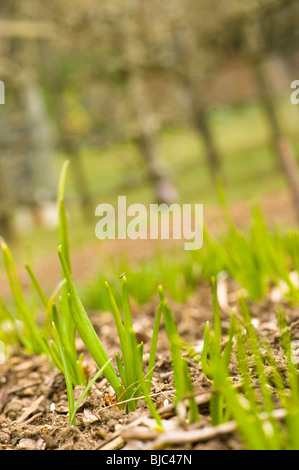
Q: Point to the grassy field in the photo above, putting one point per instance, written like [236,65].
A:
[242,137]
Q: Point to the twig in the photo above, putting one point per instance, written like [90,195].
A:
[202,399]
[30,420]
[116,443]
[197,435]
[31,409]
[23,387]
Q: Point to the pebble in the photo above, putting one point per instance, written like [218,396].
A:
[89,416]
[30,444]
[13,408]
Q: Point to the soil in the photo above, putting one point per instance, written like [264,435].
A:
[33,400]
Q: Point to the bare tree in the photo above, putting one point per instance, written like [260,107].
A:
[7,229]
[286,158]
[191,63]
[147,125]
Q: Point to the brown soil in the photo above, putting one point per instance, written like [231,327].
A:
[33,400]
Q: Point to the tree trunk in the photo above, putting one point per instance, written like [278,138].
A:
[7,230]
[147,141]
[201,123]
[283,149]
[147,125]
[187,58]
[80,180]
[41,160]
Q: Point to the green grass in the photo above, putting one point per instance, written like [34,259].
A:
[256,259]
[265,403]
[182,379]
[23,320]
[56,338]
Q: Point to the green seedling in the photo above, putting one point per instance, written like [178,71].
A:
[226,401]
[11,332]
[182,380]
[267,402]
[253,406]
[256,260]
[270,251]
[257,356]
[63,320]
[133,381]
[291,397]
[85,328]
[255,432]
[205,350]
[213,355]
[65,366]
[83,395]
[40,339]
[28,332]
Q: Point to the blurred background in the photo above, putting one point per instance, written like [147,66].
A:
[154,100]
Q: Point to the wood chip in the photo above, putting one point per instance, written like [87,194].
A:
[23,387]
[115,444]
[89,416]
[181,437]
[202,399]
[30,410]
[34,417]
[139,432]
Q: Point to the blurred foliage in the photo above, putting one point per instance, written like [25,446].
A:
[85,58]
[85,62]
